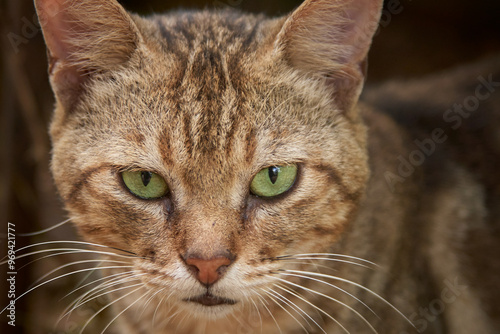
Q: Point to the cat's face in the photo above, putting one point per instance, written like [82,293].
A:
[205,104]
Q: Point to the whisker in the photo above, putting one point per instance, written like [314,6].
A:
[93,296]
[89,274]
[289,303]
[149,301]
[126,277]
[32,234]
[302,312]
[73,242]
[165,321]
[354,284]
[45,257]
[329,259]
[124,310]
[270,313]
[237,319]
[338,288]
[86,297]
[311,304]
[61,276]
[273,296]
[311,264]
[179,323]
[158,306]
[320,255]
[75,263]
[65,250]
[109,279]
[332,299]
[258,311]
[105,307]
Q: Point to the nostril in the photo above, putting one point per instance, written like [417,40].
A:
[208,271]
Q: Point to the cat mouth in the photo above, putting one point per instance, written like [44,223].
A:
[210,300]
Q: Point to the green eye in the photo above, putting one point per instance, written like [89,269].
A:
[145,185]
[274,181]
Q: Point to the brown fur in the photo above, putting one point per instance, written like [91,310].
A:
[208,99]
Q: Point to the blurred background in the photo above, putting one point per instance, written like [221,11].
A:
[416,37]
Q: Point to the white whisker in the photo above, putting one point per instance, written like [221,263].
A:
[128,307]
[338,288]
[273,296]
[332,299]
[328,259]
[311,304]
[354,284]
[61,276]
[110,279]
[76,263]
[300,311]
[70,242]
[66,250]
[105,307]
[82,301]
[32,234]
[258,311]
[263,301]
[323,257]
[149,301]
[179,323]
[158,306]
[311,264]
[43,257]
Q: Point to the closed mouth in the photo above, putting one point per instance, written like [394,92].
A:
[210,300]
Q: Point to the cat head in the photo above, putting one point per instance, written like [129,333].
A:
[209,143]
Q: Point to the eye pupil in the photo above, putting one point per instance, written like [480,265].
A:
[146,178]
[273,174]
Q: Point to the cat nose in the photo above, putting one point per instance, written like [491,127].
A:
[208,271]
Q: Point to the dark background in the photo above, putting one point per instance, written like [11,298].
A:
[417,38]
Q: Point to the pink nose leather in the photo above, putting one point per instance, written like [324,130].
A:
[207,271]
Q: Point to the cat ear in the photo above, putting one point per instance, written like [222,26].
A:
[331,39]
[84,37]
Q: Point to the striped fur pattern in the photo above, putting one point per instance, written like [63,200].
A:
[206,100]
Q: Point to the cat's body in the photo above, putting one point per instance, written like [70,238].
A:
[206,101]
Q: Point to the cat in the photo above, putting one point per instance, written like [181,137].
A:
[230,179]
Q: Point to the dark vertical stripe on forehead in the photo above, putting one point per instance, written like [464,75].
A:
[251,146]
[166,149]
[208,78]
[186,133]
[230,134]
